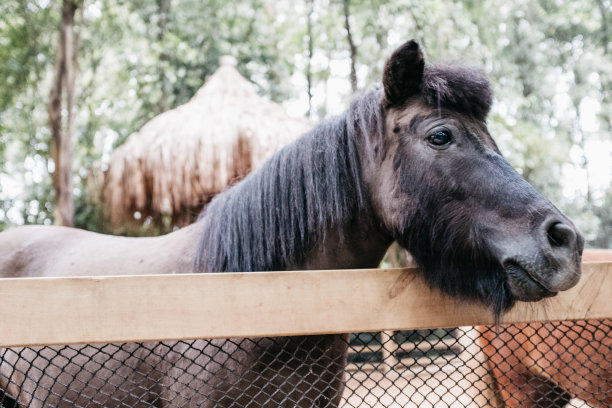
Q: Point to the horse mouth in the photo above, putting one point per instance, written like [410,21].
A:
[523,285]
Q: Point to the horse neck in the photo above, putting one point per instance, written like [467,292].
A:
[306,208]
[179,247]
[350,247]
[358,241]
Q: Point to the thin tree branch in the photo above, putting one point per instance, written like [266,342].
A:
[352,47]
[310,53]
[604,25]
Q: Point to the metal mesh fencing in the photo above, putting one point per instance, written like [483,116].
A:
[520,365]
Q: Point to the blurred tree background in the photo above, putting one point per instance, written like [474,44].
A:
[550,63]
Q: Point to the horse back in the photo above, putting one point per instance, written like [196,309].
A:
[23,251]
[54,251]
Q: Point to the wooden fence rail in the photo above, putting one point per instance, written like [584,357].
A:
[50,311]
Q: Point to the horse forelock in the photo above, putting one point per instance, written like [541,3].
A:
[459,88]
[273,218]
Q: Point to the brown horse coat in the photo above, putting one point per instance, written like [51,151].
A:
[545,365]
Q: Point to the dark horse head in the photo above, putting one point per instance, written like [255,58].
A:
[413,162]
[472,223]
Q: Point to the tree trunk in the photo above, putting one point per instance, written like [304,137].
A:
[164,58]
[61,135]
[352,47]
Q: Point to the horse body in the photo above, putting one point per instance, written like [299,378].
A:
[145,374]
[411,161]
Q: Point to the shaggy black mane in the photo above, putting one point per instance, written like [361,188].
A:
[274,217]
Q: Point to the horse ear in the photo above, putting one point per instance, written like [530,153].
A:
[403,74]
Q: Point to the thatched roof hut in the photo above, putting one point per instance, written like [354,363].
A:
[183,157]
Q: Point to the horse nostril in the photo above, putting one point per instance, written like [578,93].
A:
[560,235]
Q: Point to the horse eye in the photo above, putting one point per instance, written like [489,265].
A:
[440,138]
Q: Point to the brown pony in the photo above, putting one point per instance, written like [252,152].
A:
[548,364]
[410,161]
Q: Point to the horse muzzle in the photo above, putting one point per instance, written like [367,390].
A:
[544,263]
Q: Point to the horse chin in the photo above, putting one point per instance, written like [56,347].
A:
[522,284]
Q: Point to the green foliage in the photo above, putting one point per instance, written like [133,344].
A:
[24,46]
[549,62]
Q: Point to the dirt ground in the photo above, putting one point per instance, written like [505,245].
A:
[423,387]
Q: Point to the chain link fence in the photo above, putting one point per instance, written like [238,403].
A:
[563,364]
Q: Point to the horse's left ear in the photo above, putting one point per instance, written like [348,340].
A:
[403,74]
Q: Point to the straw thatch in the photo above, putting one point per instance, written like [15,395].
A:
[181,158]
